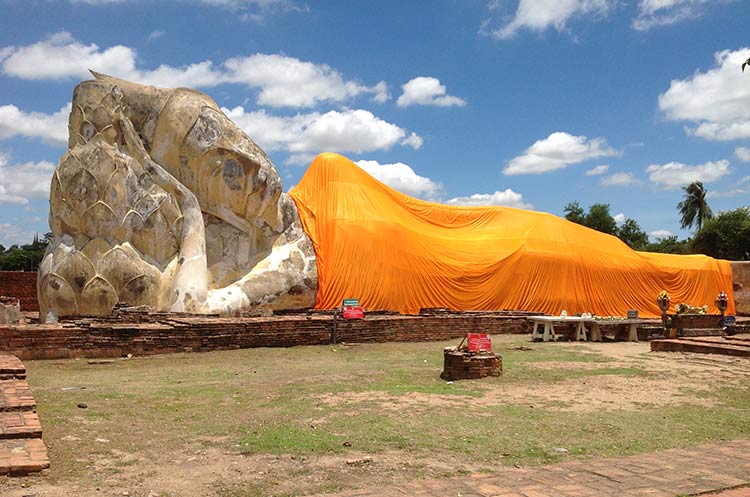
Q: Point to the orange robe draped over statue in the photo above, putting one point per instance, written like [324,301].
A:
[392,251]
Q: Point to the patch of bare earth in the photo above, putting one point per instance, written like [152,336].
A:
[670,379]
[212,471]
[583,394]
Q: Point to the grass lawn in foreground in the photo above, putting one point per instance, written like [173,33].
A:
[262,422]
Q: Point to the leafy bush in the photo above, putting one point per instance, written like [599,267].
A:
[726,236]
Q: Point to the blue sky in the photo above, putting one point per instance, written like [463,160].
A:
[532,104]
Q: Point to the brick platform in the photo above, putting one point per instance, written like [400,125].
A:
[160,333]
[735,492]
[11,367]
[693,471]
[22,450]
[15,395]
[20,424]
[23,456]
[738,345]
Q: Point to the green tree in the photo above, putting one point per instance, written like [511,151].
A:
[694,209]
[23,258]
[17,260]
[599,218]
[631,233]
[668,245]
[574,212]
[727,236]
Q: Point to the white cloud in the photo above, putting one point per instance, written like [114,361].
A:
[5,52]
[380,93]
[660,234]
[715,101]
[720,131]
[425,90]
[21,182]
[52,128]
[155,35]
[243,3]
[282,81]
[652,13]
[558,151]
[215,3]
[305,135]
[97,2]
[255,10]
[673,175]
[290,82]
[597,170]
[60,56]
[619,179]
[413,140]
[540,15]
[236,4]
[401,177]
[508,198]
[736,192]
[11,234]
[742,154]
[619,218]
[200,74]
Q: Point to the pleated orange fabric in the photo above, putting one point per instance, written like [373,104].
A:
[392,251]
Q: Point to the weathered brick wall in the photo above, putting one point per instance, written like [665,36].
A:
[741,276]
[425,328]
[696,321]
[21,285]
[111,338]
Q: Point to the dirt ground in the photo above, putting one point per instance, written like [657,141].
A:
[217,466]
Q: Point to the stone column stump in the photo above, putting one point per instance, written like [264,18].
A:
[10,310]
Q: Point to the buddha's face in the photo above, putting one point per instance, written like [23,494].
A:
[228,172]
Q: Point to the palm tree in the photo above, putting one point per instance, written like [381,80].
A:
[694,209]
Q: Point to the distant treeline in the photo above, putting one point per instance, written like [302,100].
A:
[25,257]
[724,236]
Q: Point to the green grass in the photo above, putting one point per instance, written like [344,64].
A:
[289,439]
[555,375]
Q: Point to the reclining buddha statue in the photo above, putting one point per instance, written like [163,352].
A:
[162,201]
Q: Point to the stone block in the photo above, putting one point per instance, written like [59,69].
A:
[10,310]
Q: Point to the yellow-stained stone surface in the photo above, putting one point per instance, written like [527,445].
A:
[162,201]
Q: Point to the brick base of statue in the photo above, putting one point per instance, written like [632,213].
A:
[463,364]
